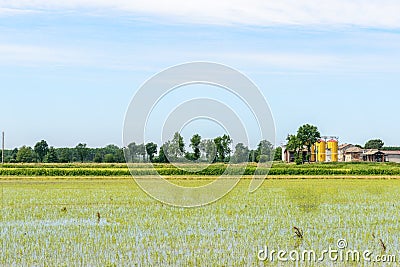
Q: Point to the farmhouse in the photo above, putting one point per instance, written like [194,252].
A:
[289,155]
[392,156]
[374,155]
[353,154]
[342,151]
[356,154]
[346,153]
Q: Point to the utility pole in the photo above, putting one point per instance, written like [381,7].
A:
[2,148]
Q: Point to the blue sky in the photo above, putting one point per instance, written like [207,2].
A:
[69,71]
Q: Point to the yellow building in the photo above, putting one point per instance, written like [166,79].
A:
[333,146]
[321,151]
[326,151]
[313,154]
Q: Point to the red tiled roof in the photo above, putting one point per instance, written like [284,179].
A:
[353,150]
[342,146]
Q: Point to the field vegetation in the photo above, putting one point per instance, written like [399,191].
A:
[140,169]
[112,222]
[94,214]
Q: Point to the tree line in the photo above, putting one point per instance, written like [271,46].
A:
[42,152]
[219,149]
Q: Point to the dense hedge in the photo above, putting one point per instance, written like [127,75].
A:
[212,170]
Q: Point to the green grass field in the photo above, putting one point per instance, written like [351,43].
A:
[139,169]
[54,222]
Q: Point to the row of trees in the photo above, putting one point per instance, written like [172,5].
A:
[378,144]
[42,152]
[218,149]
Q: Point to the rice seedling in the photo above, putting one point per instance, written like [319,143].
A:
[134,229]
[298,232]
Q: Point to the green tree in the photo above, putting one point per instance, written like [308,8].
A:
[118,153]
[222,144]
[51,156]
[226,143]
[220,155]
[98,157]
[374,144]
[195,145]
[294,144]
[209,149]
[278,154]
[241,153]
[82,151]
[41,148]
[266,149]
[299,159]
[151,149]
[25,154]
[175,148]
[132,152]
[178,139]
[14,154]
[253,155]
[109,158]
[64,155]
[141,151]
[189,156]
[263,158]
[308,136]
[386,148]
[162,158]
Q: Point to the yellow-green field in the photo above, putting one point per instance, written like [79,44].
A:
[144,169]
[54,222]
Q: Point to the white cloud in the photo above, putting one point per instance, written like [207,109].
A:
[12,54]
[364,13]
[15,11]
[126,59]
[285,60]
[31,55]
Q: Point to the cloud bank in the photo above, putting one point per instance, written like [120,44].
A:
[361,13]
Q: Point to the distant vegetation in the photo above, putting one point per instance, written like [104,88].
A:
[306,136]
[81,153]
[219,149]
[140,169]
[391,148]
[374,144]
